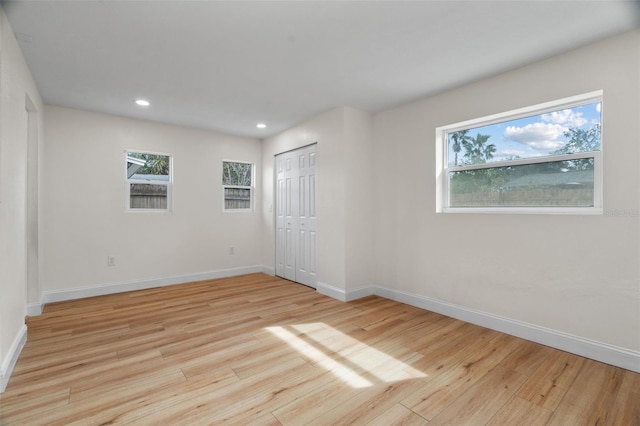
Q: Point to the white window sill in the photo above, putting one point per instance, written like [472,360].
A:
[526,210]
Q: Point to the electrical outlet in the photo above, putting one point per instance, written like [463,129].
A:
[111,261]
[232,250]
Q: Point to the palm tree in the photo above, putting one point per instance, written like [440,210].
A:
[458,138]
[488,152]
[476,150]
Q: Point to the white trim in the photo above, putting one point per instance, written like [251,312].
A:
[526,161]
[12,357]
[345,295]
[527,210]
[111,288]
[269,270]
[331,291]
[588,348]
[34,309]
[360,292]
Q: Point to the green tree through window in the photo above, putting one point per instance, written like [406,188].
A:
[546,155]
[237,181]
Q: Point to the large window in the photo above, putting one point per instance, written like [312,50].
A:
[541,159]
[237,184]
[148,181]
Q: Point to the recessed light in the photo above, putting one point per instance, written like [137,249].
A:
[142,102]
[261,125]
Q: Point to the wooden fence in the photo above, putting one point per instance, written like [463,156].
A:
[578,197]
[146,196]
[237,198]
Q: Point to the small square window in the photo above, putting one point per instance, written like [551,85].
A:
[148,181]
[237,184]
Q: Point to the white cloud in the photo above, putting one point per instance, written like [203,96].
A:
[539,136]
[546,145]
[507,153]
[566,117]
[599,107]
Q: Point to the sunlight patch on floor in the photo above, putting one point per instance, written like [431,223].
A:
[357,364]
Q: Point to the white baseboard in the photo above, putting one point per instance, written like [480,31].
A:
[360,292]
[331,291]
[609,354]
[111,288]
[12,357]
[34,309]
[268,270]
[344,295]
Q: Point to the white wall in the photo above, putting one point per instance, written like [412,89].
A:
[343,167]
[571,274]
[86,221]
[16,84]
[358,176]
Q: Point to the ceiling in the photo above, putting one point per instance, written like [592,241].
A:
[227,65]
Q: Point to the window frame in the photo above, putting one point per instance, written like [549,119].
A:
[251,189]
[129,182]
[443,169]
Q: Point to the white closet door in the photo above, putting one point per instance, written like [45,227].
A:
[285,248]
[306,218]
[296,217]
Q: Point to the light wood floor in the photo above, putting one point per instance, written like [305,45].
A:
[260,350]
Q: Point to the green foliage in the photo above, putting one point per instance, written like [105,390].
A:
[477,151]
[481,181]
[500,180]
[155,164]
[236,174]
[456,140]
[581,140]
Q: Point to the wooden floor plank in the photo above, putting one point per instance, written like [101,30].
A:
[259,350]
[519,411]
[398,415]
[306,408]
[479,403]
[547,386]
[368,403]
[627,401]
[16,407]
[591,397]
[236,401]
[441,390]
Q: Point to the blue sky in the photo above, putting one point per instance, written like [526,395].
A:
[534,136]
